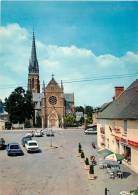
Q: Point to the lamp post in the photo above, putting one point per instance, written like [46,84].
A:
[85,118]
[51,138]
[106,191]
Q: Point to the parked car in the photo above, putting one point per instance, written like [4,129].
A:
[49,133]
[91,130]
[2,143]
[32,146]
[30,133]
[25,139]
[14,149]
[38,133]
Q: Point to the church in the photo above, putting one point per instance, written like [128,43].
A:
[52,104]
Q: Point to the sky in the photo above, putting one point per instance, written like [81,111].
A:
[85,44]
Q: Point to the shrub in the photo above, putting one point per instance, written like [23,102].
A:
[79,145]
[91,171]
[87,161]
[82,154]
[79,150]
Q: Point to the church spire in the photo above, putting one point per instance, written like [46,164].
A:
[62,85]
[33,63]
[33,76]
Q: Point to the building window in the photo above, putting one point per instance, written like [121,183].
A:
[32,82]
[125,127]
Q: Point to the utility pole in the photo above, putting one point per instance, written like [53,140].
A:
[106,191]
[51,138]
[85,117]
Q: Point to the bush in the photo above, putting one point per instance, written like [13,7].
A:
[91,171]
[86,161]
[79,150]
[82,154]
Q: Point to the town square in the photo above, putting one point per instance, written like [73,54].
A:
[68,98]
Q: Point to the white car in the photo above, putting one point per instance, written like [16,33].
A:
[91,130]
[32,146]
[29,134]
[38,133]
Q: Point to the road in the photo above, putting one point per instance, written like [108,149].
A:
[56,170]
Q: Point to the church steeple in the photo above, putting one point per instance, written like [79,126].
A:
[33,63]
[33,75]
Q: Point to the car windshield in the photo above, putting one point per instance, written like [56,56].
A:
[27,138]
[14,147]
[2,140]
[33,144]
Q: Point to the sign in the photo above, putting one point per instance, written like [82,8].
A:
[132,143]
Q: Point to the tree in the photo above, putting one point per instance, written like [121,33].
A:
[69,120]
[19,105]
[89,111]
[38,120]
[79,109]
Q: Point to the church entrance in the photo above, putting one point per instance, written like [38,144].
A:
[53,120]
[53,123]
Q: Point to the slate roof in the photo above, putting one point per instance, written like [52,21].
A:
[125,106]
[104,106]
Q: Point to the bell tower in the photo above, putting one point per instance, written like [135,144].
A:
[33,75]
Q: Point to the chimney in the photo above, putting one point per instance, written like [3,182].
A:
[118,91]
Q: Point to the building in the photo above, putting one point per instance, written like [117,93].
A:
[3,116]
[69,103]
[97,110]
[117,125]
[52,104]
[33,75]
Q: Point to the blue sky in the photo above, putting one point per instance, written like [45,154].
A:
[74,40]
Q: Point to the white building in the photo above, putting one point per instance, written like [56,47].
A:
[117,127]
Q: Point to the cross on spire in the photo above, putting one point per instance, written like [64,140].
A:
[52,76]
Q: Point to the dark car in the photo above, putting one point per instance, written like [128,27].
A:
[14,149]
[25,139]
[2,143]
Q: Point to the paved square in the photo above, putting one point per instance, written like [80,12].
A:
[56,171]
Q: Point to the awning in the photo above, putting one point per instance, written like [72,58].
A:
[114,157]
[105,152]
[135,192]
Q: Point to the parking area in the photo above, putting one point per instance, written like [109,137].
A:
[56,170]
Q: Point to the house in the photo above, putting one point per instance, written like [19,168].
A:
[97,110]
[3,116]
[117,125]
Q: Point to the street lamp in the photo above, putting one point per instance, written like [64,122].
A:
[106,191]
[85,117]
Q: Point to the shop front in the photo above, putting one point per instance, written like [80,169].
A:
[126,149]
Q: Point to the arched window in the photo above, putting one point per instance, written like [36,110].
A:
[32,82]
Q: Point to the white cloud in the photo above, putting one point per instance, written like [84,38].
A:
[67,63]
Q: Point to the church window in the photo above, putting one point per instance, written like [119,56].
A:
[32,82]
[52,100]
